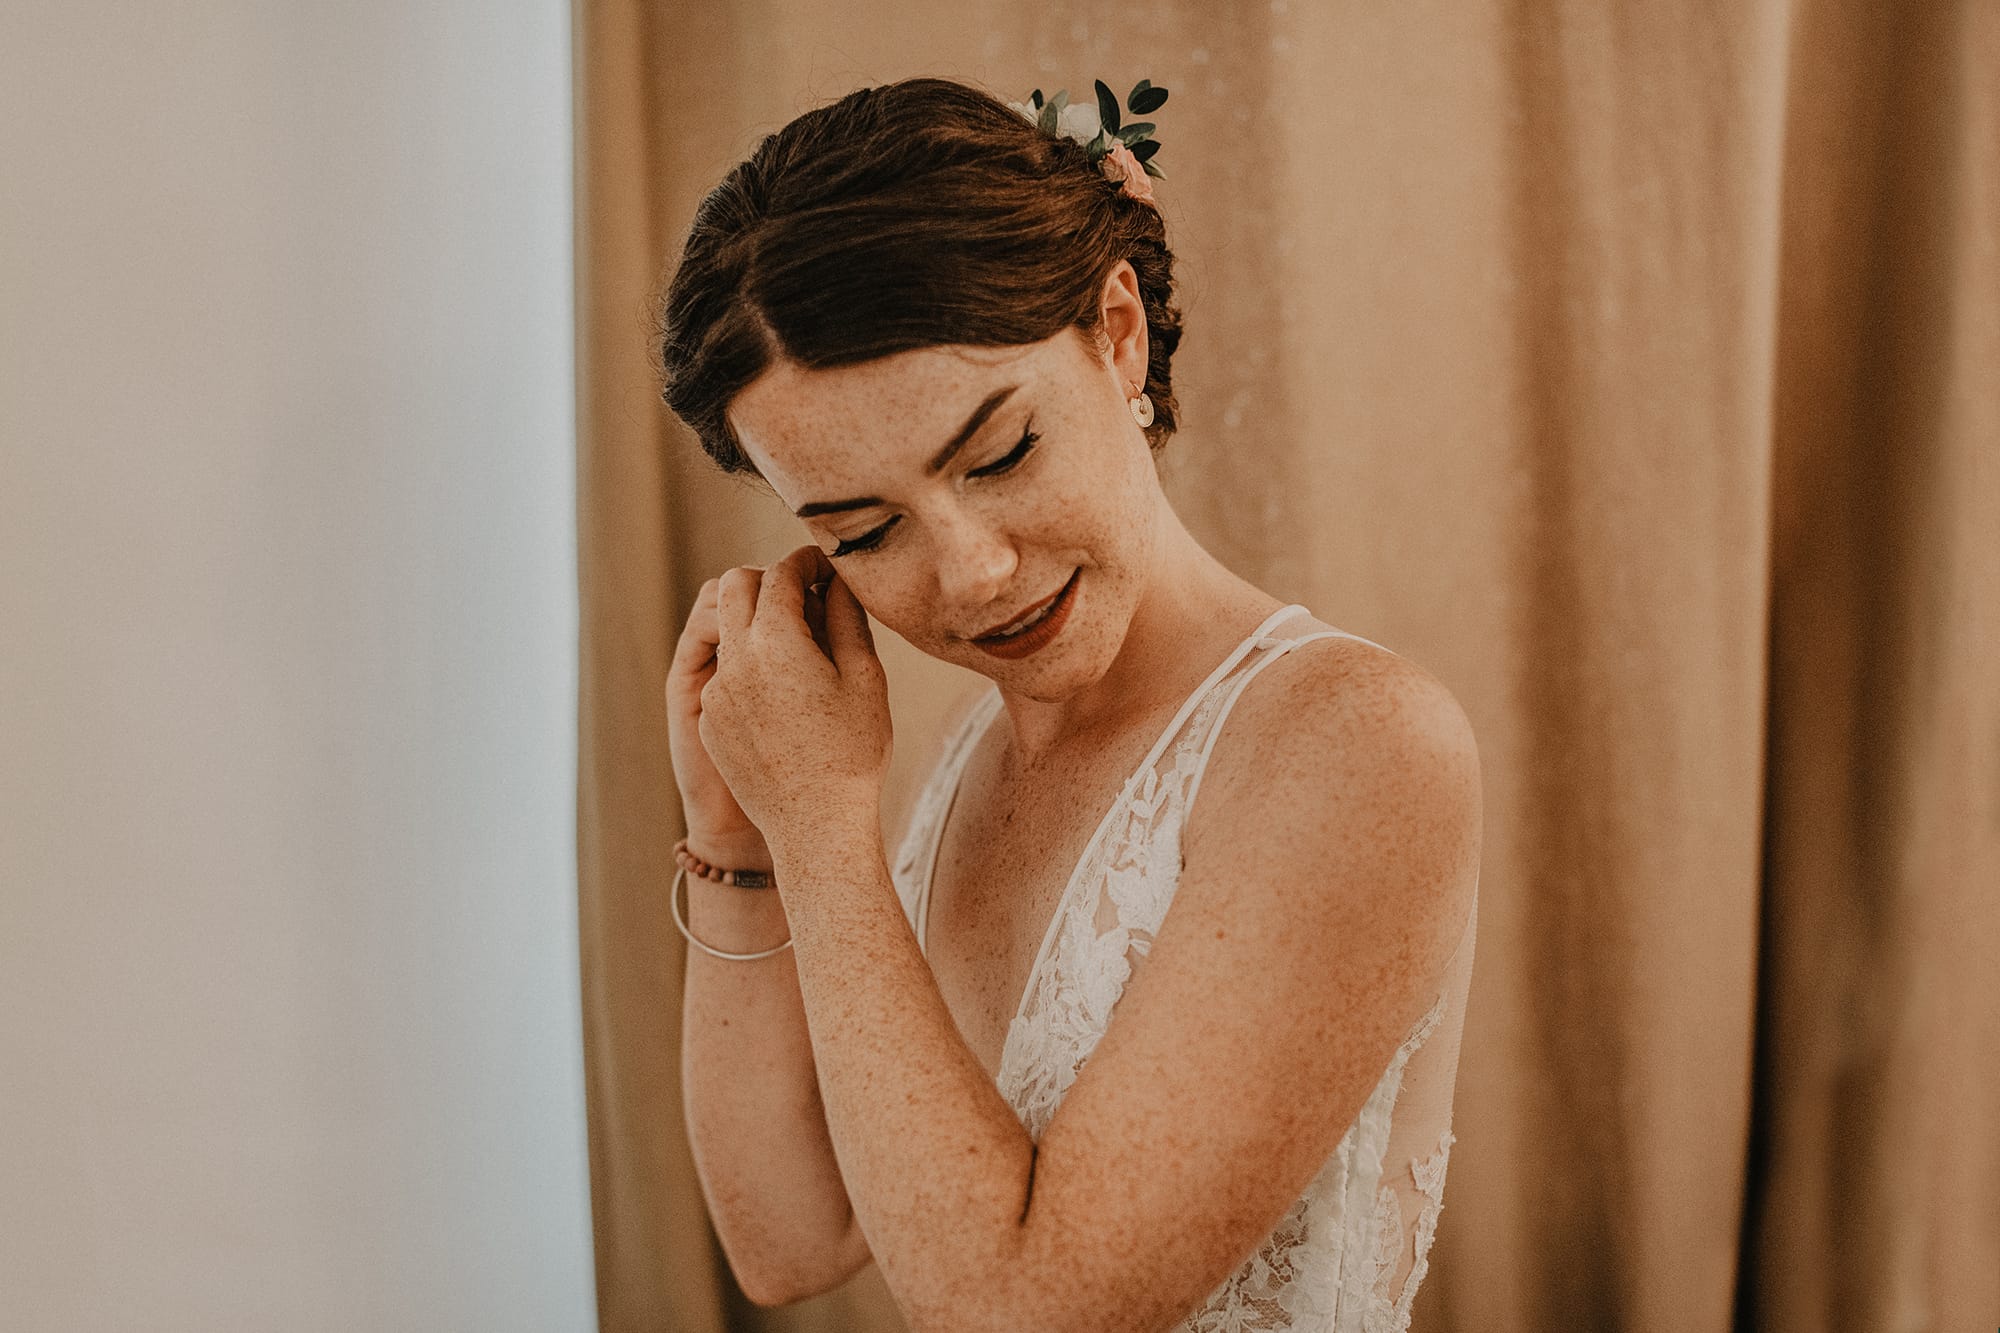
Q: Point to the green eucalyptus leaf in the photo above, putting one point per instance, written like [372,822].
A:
[1098,147]
[1136,131]
[1107,108]
[1145,149]
[1147,101]
[1152,170]
[1061,99]
[1132,98]
[1036,98]
[1047,120]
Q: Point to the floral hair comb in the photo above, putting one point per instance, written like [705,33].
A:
[1124,153]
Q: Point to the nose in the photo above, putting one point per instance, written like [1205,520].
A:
[976,564]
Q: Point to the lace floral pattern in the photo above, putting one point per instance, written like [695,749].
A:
[1071,992]
[1330,1262]
[1383,1315]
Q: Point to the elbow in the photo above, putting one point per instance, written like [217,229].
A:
[773,1268]
[771,1289]
[766,1290]
[769,1294]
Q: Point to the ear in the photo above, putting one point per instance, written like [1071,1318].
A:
[1122,315]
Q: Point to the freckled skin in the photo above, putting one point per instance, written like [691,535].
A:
[1153,609]
[1084,1229]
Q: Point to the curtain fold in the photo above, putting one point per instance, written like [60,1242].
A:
[1636,369]
[1876,1162]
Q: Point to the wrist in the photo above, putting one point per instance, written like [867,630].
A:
[856,842]
[732,853]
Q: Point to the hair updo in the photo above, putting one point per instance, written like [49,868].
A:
[915,214]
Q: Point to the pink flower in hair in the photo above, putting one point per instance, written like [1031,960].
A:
[1120,165]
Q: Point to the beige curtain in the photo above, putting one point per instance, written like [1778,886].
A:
[1634,367]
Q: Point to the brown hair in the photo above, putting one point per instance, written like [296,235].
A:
[914,214]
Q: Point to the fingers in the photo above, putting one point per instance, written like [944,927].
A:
[782,597]
[696,647]
[736,601]
[747,594]
[847,628]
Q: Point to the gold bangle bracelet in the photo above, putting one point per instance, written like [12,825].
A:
[674,907]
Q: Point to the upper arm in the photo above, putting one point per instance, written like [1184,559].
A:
[1328,872]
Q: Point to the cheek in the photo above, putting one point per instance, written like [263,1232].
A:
[1100,514]
[891,592]
[1086,500]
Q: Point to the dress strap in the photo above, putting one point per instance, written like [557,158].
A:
[1260,635]
[1279,647]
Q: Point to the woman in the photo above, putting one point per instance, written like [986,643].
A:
[942,334]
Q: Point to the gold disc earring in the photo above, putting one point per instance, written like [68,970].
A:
[1142,408]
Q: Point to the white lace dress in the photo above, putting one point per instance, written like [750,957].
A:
[1333,1261]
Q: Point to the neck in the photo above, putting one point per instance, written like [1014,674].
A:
[1193,611]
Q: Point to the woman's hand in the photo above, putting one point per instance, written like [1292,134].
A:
[794,713]
[717,827]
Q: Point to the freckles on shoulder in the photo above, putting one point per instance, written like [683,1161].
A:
[1344,756]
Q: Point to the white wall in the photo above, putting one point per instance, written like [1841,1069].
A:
[288,1000]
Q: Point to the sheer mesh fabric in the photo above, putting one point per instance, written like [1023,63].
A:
[1352,1251]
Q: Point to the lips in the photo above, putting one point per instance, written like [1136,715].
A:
[1042,605]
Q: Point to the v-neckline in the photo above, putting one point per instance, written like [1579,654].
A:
[962,760]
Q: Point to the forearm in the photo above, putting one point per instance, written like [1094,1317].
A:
[936,1164]
[755,1124]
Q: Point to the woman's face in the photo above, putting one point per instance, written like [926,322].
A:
[1044,475]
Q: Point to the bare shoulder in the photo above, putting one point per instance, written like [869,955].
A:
[1354,689]
[1366,758]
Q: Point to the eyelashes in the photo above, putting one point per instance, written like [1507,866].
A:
[870,540]
[867,542]
[1013,458]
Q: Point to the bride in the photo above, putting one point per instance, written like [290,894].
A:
[1077,1051]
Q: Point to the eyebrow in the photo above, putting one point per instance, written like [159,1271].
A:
[932,468]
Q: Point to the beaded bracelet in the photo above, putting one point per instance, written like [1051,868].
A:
[745,879]
[742,879]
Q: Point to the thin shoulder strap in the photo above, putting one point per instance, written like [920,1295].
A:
[1260,635]
[1279,647]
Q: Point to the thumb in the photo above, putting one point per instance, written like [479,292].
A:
[847,628]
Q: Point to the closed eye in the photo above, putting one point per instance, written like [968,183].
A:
[869,541]
[1013,458]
